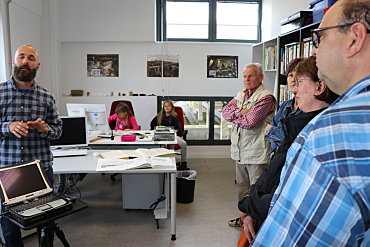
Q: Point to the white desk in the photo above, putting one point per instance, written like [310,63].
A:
[87,164]
[117,140]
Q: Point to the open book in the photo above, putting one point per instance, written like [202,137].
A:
[153,152]
[142,162]
[117,154]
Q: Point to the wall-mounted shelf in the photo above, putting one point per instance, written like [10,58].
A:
[275,77]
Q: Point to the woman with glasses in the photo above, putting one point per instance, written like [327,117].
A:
[274,132]
[313,96]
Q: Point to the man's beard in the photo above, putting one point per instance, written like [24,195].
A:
[24,75]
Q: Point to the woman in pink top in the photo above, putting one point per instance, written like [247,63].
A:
[124,118]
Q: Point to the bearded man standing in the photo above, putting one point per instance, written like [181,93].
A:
[29,120]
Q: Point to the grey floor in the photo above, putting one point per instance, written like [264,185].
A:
[200,223]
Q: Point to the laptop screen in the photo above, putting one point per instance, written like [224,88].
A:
[22,182]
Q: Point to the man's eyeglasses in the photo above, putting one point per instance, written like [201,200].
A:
[316,37]
[299,81]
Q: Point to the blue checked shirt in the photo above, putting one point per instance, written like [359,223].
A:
[34,103]
[324,194]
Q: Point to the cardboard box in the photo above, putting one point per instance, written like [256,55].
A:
[77,92]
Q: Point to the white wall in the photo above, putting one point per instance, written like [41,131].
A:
[51,47]
[25,26]
[127,28]
[132,69]
[107,21]
[3,42]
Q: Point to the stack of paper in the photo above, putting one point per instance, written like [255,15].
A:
[117,154]
[154,151]
[142,162]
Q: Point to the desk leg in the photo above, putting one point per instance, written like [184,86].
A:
[173,206]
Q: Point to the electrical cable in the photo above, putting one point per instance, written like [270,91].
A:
[160,199]
[62,187]
[74,184]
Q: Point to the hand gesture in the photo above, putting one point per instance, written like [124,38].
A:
[19,129]
[266,129]
[39,125]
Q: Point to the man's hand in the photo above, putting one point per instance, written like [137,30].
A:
[266,129]
[244,111]
[249,228]
[39,125]
[19,129]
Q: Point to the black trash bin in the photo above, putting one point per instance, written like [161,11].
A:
[185,186]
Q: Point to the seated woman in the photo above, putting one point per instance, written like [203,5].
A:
[313,96]
[274,132]
[168,117]
[124,118]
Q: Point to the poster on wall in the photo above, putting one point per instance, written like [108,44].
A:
[170,65]
[222,66]
[102,65]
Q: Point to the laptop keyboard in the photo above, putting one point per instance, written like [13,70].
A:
[41,209]
[34,203]
[70,152]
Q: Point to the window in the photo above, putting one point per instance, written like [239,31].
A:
[202,118]
[178,23]
[209,20]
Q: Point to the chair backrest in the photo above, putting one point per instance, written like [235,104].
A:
[113,107]
[116,103]
[180,116]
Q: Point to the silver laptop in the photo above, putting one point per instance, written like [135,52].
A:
[26,186]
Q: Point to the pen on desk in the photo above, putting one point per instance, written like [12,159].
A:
[95,139]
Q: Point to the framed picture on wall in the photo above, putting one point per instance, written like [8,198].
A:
[102,65]
[222,66]
[165,65]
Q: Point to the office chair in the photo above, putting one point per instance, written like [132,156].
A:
[112,124]
[180,116]
[113,107]
[183,133]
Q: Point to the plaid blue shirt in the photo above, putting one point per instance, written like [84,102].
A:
[324,194]
[34,103]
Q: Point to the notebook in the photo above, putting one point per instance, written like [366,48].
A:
[26,193]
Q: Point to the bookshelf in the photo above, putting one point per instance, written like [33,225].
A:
[298,39]
[267,54]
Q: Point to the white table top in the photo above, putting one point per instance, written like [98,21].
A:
[88,163]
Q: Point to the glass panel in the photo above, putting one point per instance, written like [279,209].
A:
[237,20]
[221,126]
[196,118]
[187,20]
